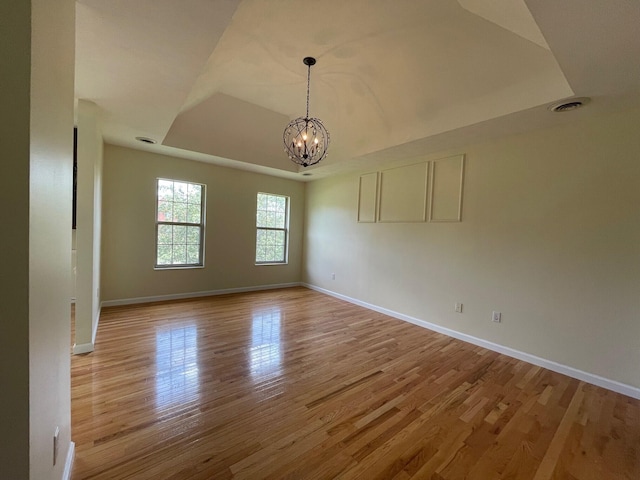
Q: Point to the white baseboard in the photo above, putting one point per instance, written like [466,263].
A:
[82,348]
[597,380]
[68,464]
[209,293]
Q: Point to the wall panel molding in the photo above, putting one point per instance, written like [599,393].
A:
[403,194]
[368,198]
[446,187]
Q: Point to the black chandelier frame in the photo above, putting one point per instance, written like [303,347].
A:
[306,140]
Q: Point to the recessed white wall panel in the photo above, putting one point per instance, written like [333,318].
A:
[403,193]
[367,197]
[446,189]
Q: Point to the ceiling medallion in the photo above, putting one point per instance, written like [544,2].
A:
[306,140]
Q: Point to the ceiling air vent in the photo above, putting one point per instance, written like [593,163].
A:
[568,105]
[146,140]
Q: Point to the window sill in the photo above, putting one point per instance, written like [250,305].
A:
[178,267]
[271,263]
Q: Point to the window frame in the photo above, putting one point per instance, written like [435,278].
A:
[201,225]
[285,229]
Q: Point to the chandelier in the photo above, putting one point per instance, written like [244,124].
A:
[306,140]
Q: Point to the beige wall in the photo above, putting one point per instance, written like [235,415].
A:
[15,41]
[128,231]
[89,225]
[550,237]
[37,54]
[51,180]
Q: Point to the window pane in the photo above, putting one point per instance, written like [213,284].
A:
[165,235]
[193,213]
[278,238]
[270,245]
[165,211]
[261,237]
[193,253]
[195,193]
[193,235]
[164,255]
[261,218]
[165,190]
[179,254]
[179,234]
[180,192]
[179,212]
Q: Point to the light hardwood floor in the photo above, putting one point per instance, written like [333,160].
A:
[295,384]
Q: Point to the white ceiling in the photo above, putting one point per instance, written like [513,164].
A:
[218,80]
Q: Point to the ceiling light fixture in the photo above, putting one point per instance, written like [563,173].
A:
[306,140]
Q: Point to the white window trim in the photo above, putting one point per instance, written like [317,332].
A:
[182,266]
[285,230]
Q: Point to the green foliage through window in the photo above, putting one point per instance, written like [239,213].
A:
[179,223]
[271,228]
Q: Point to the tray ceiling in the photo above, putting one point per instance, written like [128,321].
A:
[218,80]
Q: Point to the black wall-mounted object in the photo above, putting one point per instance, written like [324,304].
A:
[75,176]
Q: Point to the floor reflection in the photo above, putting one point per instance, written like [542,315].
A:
[177,366]
[266,355]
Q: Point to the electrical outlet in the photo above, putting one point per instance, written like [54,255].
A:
[496,317]
[458,307]
[333,276]
[56,434]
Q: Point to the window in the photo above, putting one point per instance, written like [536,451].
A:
[179,224]
[272,222]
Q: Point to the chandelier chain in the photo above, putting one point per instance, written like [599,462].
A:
[308,82]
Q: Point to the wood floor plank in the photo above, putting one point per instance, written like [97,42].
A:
[293,384]
[548,463]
